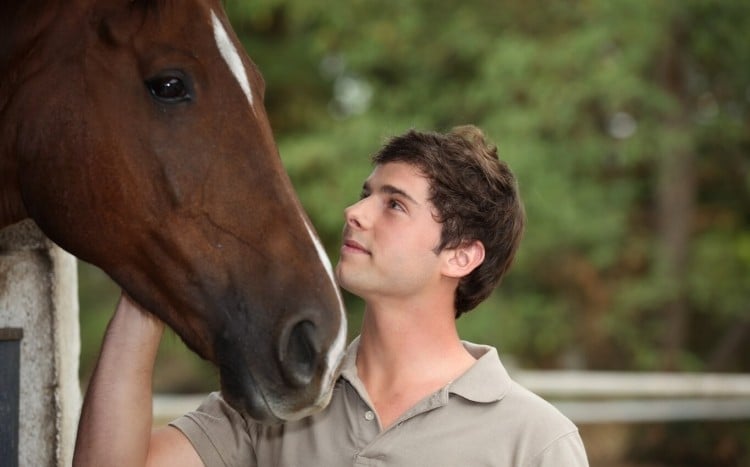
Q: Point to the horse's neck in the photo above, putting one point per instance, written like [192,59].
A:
[11,207]
[22,24]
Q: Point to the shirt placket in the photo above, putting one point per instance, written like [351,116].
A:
[373,453]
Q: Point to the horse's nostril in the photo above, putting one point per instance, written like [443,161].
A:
[300,354]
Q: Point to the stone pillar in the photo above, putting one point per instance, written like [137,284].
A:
[39,297]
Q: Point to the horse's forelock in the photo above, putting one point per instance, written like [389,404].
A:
[124,18]
[118,23]
[155,6]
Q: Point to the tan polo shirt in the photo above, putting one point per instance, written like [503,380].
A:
[483,418]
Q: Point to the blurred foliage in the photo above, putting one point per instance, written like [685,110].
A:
[714,444]
[626,124]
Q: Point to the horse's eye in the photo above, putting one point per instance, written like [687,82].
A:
[168,89]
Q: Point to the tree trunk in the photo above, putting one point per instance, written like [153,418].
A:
[675,208]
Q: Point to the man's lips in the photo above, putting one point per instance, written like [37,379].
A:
[353,246]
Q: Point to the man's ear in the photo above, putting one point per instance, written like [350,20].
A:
[464,259]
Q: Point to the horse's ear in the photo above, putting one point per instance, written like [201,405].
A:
[118,25]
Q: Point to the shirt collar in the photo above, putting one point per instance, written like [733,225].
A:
[486,381]
[349,363]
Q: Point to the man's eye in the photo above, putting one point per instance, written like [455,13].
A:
[393,204]
[364,194]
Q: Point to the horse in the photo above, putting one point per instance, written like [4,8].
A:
[133,132]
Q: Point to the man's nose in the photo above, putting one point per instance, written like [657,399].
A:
[355,215]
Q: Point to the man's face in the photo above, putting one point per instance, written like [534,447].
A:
[390,236]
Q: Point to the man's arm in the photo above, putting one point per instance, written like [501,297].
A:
[116,418]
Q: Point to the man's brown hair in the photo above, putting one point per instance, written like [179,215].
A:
[476,198]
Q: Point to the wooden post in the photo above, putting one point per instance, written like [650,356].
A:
[39,298]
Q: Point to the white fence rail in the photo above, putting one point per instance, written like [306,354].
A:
[632,384]
[601,397]
[622,397]
[651,410]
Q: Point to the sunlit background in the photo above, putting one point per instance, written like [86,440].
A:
[628,126]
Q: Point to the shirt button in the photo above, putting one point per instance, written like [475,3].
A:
[369,415]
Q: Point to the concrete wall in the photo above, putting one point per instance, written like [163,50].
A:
[38,293]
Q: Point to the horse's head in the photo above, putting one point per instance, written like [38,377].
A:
[145,149]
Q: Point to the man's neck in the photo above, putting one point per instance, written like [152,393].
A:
[406,354]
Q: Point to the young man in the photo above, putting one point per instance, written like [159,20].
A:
[436,228]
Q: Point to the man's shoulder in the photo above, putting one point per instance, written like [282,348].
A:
[550,436]
[524,425]
[506,404]
[535,409]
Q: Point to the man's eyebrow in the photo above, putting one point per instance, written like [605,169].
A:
[392,190]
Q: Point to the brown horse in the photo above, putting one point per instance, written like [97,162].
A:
[134,133]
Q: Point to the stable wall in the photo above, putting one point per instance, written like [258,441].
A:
[39,295]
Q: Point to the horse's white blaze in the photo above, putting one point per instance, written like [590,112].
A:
[233,60]
[336,350]
[229,53]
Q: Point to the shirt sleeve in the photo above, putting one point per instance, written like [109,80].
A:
[219,434]
[566,451]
